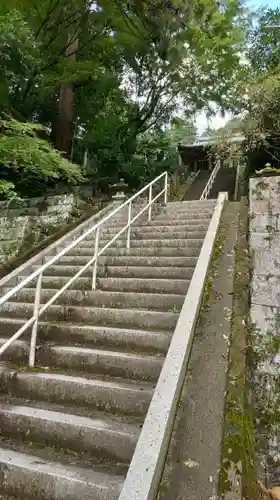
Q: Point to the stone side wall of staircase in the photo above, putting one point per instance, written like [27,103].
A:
[24,223]
[69,427]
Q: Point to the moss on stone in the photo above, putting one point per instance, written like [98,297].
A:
[238,471]
[31,246]
[218,248]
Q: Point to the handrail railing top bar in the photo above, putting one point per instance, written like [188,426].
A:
[210,181]
[93,259]
[36,273]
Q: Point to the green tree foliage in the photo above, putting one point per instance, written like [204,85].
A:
[182,130]
[264,51]
[262,122]
[107,76]
[30,160]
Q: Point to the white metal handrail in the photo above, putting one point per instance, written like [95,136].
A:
[208,187]
[38,311]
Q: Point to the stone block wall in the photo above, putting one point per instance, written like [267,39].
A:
[265,316]
[24,223]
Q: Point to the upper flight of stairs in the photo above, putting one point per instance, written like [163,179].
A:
[69,427]
[196,188]
[225,181]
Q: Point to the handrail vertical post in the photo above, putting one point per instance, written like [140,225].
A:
[150,202]
[165,187]
[96,248]
[33,341]
[129,226]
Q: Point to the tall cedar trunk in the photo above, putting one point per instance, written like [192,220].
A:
[64,126]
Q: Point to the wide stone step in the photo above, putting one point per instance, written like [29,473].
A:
[170,212]
[190,222]
[182,210]
[169,286]
[165,219]
[96,336]
[126,318]
[192,204]
[145,230]
[107,337]
[151,243]
[128,261]
[139,235]
[137,286]
[99,436]
[142,272]
[59,275]
[113,363]
[28,476]
[101,298]
[156,251]
[118,397]
[182,218]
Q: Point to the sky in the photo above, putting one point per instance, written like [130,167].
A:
[217,121]
[255,4]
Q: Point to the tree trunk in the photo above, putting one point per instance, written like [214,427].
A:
[64,127]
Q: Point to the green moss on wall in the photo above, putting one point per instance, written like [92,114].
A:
[238,472]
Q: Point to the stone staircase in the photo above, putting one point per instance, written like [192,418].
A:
[196,188]
[69,426]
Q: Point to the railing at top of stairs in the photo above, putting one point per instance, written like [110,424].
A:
[38,310]
[211,180]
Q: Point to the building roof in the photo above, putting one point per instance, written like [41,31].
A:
[209,140]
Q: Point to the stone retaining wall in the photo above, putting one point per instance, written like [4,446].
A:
[265,316]
[25,222]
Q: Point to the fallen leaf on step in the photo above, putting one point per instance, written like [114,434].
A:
[191,463]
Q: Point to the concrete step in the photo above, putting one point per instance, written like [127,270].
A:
[145,230]
[114,363]
[164,218]
[171,272]
[138,286]
[182,209]
[193,224]
[27,476]
[200,206]
[96,336]
[19,349]
[192,204]
[147,251]
[190,222]
[112,396]
[169,233]
[58,275]
[127,318]
[181,217]
[148,286]
[100,436]
[124,261]
[136,242]
[102,298]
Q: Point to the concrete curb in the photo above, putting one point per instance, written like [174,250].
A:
[147,464]
[238,478]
